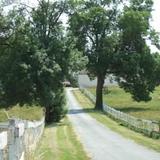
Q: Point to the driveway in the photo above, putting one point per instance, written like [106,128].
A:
[99,141]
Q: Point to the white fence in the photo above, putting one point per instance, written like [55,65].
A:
[150,128]
[19,137]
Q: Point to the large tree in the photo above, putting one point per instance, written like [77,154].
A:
[113,39]
[136,65]
[48,33]
[34,59]
[15,52]
[94,26]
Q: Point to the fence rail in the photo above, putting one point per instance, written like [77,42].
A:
[149,128]
[18,138]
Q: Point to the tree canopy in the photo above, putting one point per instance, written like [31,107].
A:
[35,57]
[136,64]
[114,40]
[107,37]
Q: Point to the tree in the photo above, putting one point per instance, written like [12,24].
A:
[34,62]
[113,39]
[136,65]
[36,58]
[94,27]
[14,60]
[6,2]
[76,60]
[48,33]
[157,68]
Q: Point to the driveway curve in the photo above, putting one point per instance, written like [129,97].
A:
[100,142]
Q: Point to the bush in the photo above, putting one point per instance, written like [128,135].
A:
[73,79]
[155,135]
[55,108]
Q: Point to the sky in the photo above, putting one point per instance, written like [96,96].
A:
[156,15]
[155,22]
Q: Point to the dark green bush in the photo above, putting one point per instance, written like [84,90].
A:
[155,135]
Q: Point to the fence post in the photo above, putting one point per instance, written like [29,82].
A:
[12,149]
[16,146]
[1,154]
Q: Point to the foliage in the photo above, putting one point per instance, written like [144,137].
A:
[76,60]
[135,63]
[155,38]
[13,71]
[114,40]
[34,59]
[157,68]
[37,55]
[48,35]
[94,28]
[4,3]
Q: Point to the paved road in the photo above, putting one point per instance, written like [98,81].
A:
[100,142]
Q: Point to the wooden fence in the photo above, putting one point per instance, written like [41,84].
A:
[3,141]
[149,128]
[18,138]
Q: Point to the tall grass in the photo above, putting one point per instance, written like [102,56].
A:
[120,100]
[22,112]
[59,142]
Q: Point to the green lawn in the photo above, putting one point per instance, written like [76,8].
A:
[59,142]
[25,112]
[101,117]
[119,99]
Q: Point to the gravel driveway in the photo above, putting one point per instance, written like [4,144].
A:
[100,142]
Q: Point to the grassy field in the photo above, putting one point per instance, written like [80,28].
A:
[113,125]
[25,112]
[119,99]
[59,142]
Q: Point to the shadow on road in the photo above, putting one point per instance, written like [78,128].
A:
[79,111]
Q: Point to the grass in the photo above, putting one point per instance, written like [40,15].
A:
[120,100]
[113,125]
[59,142]
[25,112]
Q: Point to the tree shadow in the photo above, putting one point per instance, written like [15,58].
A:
[79,111]
[71,112]
[132,109]
[57,124]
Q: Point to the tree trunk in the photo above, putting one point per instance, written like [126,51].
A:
[48,115]
[99,92]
